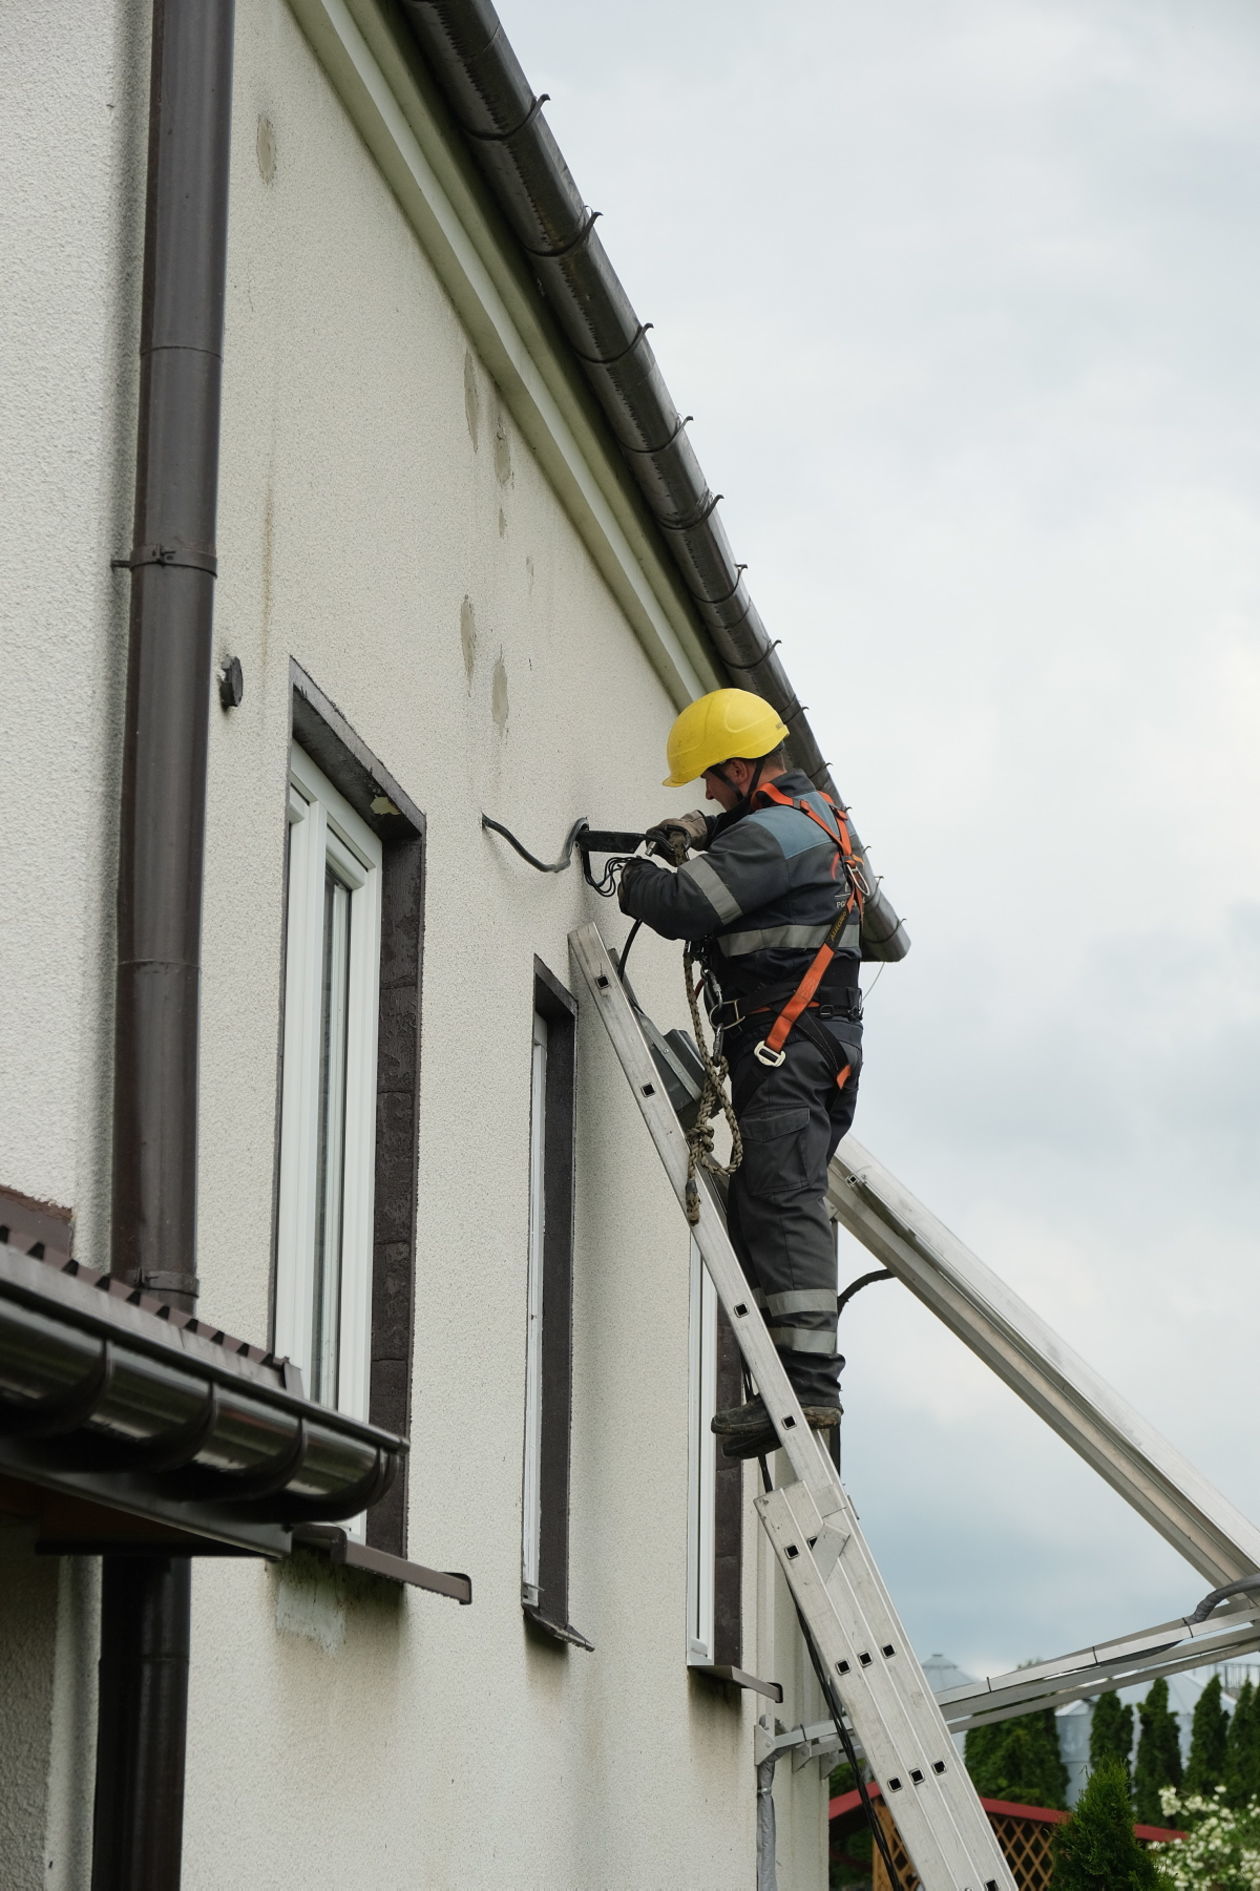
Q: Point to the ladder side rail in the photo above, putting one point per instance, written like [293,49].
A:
[850,1614]
[899,1727]
[758,1349]
[895,1745]
[1017,1344]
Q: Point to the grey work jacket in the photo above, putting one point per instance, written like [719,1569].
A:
[762,895]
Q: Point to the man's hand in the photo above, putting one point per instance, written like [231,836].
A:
[629,873]
[673,838]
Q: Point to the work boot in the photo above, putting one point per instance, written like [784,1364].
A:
[746,1431]
[736,1420]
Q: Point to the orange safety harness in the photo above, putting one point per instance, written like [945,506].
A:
[770,1050]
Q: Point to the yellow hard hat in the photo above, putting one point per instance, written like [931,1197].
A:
[718,727]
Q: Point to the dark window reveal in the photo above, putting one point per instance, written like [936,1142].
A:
[728,1516]
[549,1313]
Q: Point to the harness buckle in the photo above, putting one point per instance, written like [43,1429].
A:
[765,1055]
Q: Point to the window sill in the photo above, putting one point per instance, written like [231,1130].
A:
[737,1677]
[342,1550]
[557,1631]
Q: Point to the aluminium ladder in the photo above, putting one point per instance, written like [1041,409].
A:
[813,1528]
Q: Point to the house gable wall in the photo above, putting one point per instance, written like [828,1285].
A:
[417,508]
[386,523]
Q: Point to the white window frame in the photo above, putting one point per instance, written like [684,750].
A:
[531,1520]
[326,832]
[701,1464]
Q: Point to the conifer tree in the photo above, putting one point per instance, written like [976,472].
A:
[980,1747]
[1242,1748]
[1096,1850]
[1111,1733]
[1019,1760]
[1158,1754]
[1209,1733]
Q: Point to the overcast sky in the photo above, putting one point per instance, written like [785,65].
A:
[965,298]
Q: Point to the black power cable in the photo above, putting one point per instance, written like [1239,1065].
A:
[856,1286]
[625,950]
[1245,1585]
[587,840]
[561,865]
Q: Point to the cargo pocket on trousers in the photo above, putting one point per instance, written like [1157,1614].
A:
[774,1160]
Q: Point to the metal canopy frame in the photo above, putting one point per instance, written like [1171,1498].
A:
[1089,1415]
[1027,1355]
[1129,1660]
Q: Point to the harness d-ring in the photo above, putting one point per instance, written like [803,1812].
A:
[765,1055]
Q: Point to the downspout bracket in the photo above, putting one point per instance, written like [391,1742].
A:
[178,555]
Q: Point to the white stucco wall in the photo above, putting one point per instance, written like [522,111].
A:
[72,151]
[72,157]
[384,522]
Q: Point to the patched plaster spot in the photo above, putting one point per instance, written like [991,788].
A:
[468,637]
[472,399]
[265,144]
[268,554]
[310,1603]
[499,696]
[502,451]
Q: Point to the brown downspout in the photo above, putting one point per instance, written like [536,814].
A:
[142,1711]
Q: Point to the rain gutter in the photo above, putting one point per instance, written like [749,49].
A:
[116,1403]
[466,49]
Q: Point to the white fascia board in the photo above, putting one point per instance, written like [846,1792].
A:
[372,80]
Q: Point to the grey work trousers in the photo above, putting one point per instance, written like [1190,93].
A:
[791,1116]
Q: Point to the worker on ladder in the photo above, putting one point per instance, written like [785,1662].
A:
[773,891]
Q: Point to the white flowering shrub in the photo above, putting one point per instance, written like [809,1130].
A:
[1221,1849]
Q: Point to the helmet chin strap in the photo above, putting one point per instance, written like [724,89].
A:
[746,798]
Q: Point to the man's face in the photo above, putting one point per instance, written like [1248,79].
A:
[726,792]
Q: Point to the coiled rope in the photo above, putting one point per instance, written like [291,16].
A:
[713,1096]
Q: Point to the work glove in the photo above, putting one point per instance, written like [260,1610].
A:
[672,838]
[629,873]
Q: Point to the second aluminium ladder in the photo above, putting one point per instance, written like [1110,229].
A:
[813,1527]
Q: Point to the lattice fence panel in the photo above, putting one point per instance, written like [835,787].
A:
[879,1877]
[1027,1845]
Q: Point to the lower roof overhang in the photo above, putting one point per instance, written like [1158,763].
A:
[125,1424]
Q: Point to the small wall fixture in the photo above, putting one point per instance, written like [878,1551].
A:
[231,683]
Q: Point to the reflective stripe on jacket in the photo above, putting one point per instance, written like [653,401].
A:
[763,894]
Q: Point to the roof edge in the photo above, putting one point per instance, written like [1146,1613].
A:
[464,46]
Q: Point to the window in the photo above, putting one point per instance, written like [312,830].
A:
[328,1109]
[549,1314]
[356,1166]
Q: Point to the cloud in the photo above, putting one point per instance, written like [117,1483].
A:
[963,295]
